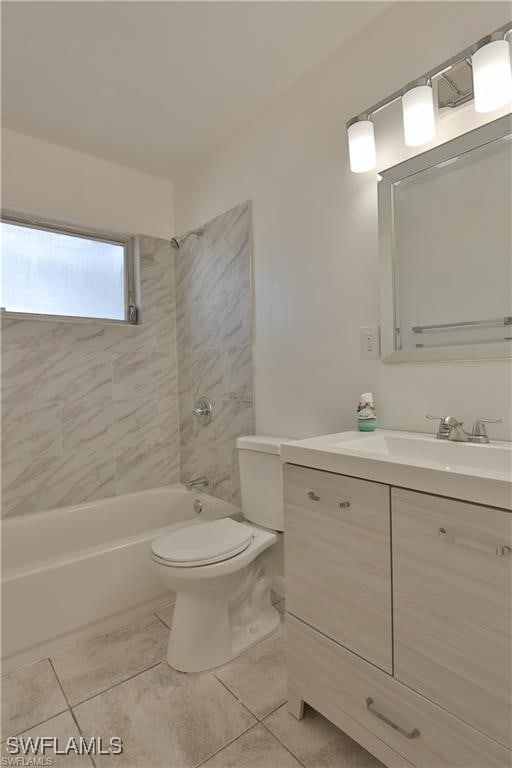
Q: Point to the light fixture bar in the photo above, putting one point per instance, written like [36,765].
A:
[502,32]
[452,84]
[461,97]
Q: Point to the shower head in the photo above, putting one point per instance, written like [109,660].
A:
[177,242]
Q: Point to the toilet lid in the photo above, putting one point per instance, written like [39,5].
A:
[204,543]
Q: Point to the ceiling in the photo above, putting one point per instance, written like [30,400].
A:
[150,84]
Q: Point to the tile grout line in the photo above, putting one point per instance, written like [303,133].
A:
[70,709]
[280,742]
[61,712]
[245,732]
[75,719]
[116,685]
[226,686]
[163,622]
[235,696]
[36,725]
[228,744]
[274,709]
[50,662]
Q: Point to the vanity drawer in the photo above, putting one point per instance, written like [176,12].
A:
[338,559]
[429,737]
[453,606]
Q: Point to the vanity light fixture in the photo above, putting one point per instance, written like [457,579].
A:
[492,75]
[419,114]
[490,59]
[361,145]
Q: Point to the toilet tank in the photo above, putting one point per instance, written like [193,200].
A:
[261,480]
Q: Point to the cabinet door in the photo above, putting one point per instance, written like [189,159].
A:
[338,559]
[355,694]
[452,606]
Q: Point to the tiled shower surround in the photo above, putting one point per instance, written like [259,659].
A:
[214,342]
[90,410]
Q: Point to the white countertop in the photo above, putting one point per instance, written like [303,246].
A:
[468,471]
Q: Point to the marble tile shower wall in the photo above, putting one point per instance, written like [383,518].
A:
[214,342]
[90,410]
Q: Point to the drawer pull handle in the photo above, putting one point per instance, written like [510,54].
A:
[344,504]
[408,734]
[312,495]
[503,551]
[500,551]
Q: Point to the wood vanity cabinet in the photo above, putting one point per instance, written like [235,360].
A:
[399,619]
[452,607]
[338,559]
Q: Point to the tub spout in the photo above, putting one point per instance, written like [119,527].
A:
[197,483]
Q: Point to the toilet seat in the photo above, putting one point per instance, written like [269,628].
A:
[203,544]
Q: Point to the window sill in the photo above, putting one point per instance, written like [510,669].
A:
[5,314]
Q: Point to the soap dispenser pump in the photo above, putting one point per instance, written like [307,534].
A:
[366,418]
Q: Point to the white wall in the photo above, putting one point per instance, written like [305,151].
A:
[315,236]
[58,183]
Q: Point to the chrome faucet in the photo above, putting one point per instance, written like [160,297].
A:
[479,432]
[197,483]
[451,428]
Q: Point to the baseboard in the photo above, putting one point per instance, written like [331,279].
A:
[60,643]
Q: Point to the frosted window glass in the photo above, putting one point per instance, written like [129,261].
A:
[53,273]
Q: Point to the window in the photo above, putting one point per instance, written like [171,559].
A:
[47,270]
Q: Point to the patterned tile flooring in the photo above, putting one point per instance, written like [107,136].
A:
[119,685]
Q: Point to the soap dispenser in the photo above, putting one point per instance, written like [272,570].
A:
[366,418]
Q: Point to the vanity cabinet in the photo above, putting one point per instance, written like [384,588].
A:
[338,559]
[452,606]
[399,618]
[363,701]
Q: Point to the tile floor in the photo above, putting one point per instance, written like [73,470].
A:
[120,685]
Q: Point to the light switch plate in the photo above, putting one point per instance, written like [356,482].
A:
[370,342]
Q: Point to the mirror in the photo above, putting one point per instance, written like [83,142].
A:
[446,250]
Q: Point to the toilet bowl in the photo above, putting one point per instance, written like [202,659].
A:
[222,570]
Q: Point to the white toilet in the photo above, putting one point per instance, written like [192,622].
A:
[222,570]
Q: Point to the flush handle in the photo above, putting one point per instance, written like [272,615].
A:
[373,711]
[344,504]
[312,495]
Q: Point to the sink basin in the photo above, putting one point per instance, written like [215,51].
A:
[441,453]
[470,471]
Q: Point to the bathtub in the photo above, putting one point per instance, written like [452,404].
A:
[75,572]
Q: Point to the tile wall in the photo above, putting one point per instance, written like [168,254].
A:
[90,410]
[214,343]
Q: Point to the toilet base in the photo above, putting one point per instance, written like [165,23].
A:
[222,646]
[204,637]
[245,637]
[223,608]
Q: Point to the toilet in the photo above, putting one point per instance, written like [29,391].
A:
[221,570]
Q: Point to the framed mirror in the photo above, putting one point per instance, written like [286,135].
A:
[445,229]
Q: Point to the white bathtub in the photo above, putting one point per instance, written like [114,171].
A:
[74,572]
